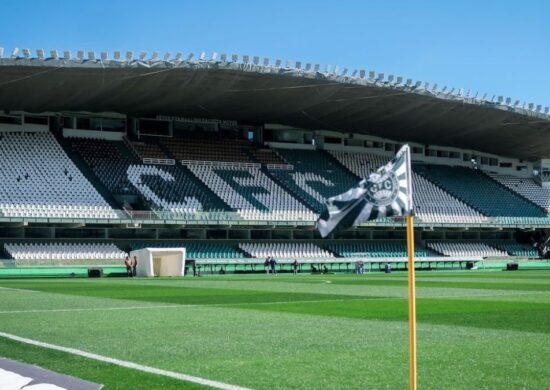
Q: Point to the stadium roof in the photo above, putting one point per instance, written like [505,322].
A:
[300,96]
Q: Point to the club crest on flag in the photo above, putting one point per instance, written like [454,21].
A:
[385,193]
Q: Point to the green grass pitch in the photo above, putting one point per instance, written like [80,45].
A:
[476,330]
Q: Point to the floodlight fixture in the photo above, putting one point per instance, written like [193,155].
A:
[91,55]
[54,54]
[427,86]
[288,64]
[298,65]
[409,82]
[179,55]
[142,55]
[354,73]
[434,87]
[66,55]
[278,62]
[371,75]
[129,56]
[214,56]
[155,56]
[80,55]
[345,72]
[399,80]
[546,109]
[166,56]
[246,58]
[116,55]
[391,77]
[362,73]
[516,103]
[266,61]
[316,67]
[104,56]
[40,53]
[223,57]
[26,53]
[531,106]
[380,77]
[14,52]
[234,58]
[508,101]
[256,60]
[202,56]
[190,56]
[538,108]
[500,99]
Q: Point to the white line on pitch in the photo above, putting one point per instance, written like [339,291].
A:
[18,289]
[126,364]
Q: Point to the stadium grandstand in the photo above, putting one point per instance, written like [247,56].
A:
[233,158]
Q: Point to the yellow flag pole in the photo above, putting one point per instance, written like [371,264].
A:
[412,304]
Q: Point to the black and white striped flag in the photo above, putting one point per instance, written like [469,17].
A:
[385,193]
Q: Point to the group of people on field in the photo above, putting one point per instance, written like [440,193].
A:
[270,265]
[131,266]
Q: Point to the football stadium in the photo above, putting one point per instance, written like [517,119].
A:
[211,170]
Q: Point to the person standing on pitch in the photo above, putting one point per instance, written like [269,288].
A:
[273,265]
[295,266]
[134,266]
[266,264]
[128,265]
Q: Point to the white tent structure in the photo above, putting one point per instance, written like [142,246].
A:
[160,261]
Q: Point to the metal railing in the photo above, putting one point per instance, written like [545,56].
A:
[135,218]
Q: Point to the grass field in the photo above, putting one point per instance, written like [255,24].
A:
[484,330]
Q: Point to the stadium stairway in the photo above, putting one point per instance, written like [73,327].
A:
[88,172]
[490,197]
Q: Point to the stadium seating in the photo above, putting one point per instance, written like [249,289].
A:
[378,249]
[432,204]
[315,177]
[148,150]
[37,179]
[251,192]
[465,249]
[528,188]
[516,249]
[64,251]
[285,250]
[208,149]
[484,194]
[171,188]
[198,250]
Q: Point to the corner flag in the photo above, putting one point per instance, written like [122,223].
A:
[385,193]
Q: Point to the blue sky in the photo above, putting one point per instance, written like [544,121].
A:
[495,47]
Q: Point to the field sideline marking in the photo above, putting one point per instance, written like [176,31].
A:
[19,289]
[236,305]
[125,364]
